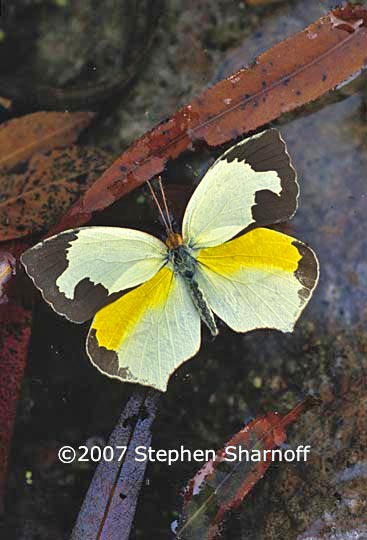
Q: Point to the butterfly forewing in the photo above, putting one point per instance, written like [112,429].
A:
[251,184]
[81,270]
[268,152]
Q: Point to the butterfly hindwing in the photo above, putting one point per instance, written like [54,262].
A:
[81,270]
[262,279]
[251,184]
[146,334]
[267,151]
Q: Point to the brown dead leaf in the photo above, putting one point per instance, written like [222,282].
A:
[20,138]
[33,200]
[291,74]
[29,202]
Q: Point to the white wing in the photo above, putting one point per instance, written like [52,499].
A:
[263,279]
[80,270]
[253,183]
[146,334]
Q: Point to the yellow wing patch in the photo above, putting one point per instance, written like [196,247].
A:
[251,250]
[147,333]
[262,279]
[130,309]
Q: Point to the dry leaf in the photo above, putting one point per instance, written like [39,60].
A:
[33,200]
[22,137]
[19,140]
[292,73]
[109,506]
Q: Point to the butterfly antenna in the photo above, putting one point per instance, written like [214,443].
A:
[167,227]
[165,204]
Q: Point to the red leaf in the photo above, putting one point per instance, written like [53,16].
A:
[352,16]
[221,485]
[289,75]
[15,332]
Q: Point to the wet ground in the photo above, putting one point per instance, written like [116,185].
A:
[65,401]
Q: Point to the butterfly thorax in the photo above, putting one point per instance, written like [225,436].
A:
[185,265]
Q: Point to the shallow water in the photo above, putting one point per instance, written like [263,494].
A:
[64,400]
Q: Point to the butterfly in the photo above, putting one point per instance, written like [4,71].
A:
[260,279]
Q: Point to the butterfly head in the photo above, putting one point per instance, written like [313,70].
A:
[174,240]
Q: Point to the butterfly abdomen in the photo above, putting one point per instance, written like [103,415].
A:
[185,265]
[201,305]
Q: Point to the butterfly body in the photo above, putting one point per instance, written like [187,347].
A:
[224,264]
[185,264]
